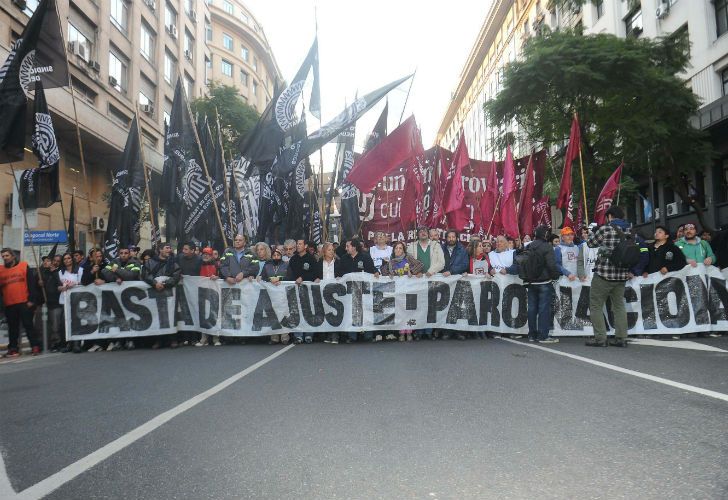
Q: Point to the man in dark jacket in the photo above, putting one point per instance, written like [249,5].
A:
[162,273]
[540,286]
[456,257]
[121,269]
[189,262]
[302,266]
[235,261]
[49,274]
[356,260]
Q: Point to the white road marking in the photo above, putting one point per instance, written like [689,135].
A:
[52,483]
[660,380]
[677,344]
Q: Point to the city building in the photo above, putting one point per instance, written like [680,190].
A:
[510,22]
[124,55]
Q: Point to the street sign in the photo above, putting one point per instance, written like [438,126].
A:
[37,238]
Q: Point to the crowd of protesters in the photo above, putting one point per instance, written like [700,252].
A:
[577,255]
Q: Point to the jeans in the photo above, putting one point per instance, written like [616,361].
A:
[600,291]
[56,328]
[17,314]
[539,310]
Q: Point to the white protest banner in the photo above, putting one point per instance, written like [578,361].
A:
[694,299]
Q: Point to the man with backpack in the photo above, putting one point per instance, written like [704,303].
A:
[618,253]
[537,268]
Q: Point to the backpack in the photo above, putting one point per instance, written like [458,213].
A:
[626,254]
[530,265]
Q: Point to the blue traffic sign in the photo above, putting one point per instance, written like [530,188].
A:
[44,237]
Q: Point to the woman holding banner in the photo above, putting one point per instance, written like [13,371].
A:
[401,264]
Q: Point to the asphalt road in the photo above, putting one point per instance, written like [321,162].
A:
[433,420]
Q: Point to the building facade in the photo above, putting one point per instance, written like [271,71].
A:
[123,55]
[510,22]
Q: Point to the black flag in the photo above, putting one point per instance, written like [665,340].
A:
[38,55]
[350,219]
[39,187]
[345,142]
[260,146]
[350,115]
[72,224]
[127,192]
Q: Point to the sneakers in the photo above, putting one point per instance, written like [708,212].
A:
[308,339]
[390,336]
[129,346]
[202,344]
[12,353]
[378,338]
[618,342]
[595,343]
[298,340]
[95,348]
[35,351]
[549,340]
[217,343]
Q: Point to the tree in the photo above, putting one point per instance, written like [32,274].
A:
[237,118]
[631,104]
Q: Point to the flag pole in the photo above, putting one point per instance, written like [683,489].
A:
[146,177]
[227,191]
[619,184]
[583,183]
[207,173]
[492,219]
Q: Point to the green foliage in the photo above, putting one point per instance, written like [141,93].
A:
[236,117]
[630,103]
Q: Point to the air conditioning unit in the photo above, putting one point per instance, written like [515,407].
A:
[21,4]
[193,16]
[78,50]
[151,4]
[147,108]
[98,224]
[95,66]
[188,55]
[113,81]
[172,30]
[663,9]
[671,209]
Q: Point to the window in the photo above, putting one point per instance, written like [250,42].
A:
[144,99]
[255,88]
[118,68]
[227,41]
[208,30]
[189,6]
[255,64]
[208,70]
[167,118]
[721,16]
[147,91]
[30,6]
[83,43]
[147,43]
[682,37]
[227,68]
[189,86]
[244,53]
[244,78]
[189,42]
[228,7]
[119,15]
[633,23]
[170,67]
[599,5]
[170,16]
[119,116]
[724,78]
[244,18]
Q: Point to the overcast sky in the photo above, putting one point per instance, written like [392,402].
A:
[364,45]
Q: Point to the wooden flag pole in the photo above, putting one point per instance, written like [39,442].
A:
[207,173]
[492,219]
[146,177]
[583,183]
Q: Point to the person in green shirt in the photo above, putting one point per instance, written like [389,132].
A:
[696,251]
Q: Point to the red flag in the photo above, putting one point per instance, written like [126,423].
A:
[509,213]
[542,212]
[414,190]
[489,203]
[572,152]
[440,160]
[394,150]
[579,216]
[525,204]
[454,194]
[607,195]
[569,216]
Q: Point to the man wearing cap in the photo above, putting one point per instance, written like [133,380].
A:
[208,269]
[696,251]
[567,254]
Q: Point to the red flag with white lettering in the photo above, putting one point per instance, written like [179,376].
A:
[542,212]
[572,153]
[606,197]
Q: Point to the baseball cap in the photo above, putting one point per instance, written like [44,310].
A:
[566,230]
[207,250]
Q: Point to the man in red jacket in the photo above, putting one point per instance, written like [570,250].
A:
[19,289]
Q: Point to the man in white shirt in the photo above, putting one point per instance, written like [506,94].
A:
[380,252]
[502,257]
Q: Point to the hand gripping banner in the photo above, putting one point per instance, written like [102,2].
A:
[694,299]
